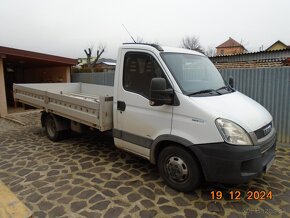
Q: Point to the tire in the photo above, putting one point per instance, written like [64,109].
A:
[179,169]
[50,129]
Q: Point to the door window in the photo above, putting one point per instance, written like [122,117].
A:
[139,69]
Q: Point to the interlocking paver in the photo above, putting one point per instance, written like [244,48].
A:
[86,176]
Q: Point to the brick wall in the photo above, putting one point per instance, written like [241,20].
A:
[262,59]
[230,51]
[249,64]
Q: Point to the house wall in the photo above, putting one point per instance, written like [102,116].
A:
[3,104]
[277,46]
[229,51]
[47,75]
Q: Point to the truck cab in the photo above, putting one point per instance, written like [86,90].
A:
[172,107]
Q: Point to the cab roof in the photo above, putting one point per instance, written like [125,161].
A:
[155,47]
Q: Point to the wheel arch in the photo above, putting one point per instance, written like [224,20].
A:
[61,122]
[161,141]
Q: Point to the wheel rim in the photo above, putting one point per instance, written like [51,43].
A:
[177,169]
[51,128]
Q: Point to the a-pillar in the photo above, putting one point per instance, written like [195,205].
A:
[3,103]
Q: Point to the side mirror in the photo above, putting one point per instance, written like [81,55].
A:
[159,95]
[231,82]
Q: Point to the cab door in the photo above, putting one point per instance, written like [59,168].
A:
[138,123]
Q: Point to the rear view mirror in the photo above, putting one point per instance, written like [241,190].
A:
[159,95]
[231,82]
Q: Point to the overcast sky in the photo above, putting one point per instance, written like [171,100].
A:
[66,27]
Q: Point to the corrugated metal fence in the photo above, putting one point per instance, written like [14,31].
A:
[102,78]
[271,88]
[268,86]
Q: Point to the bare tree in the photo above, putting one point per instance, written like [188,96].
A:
[92,63]
[89,56]
[210,51]
[192,43]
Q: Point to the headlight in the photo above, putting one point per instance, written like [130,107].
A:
[232,132]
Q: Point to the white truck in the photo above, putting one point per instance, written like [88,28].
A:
[170,106]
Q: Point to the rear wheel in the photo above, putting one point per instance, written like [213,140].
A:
[51,130]
[179,169]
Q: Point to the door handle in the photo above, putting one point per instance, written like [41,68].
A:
[121,105]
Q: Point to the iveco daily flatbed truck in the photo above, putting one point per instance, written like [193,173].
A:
[170,106]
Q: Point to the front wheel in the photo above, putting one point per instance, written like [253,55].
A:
[179,169]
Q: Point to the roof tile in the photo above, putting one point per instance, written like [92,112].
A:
[230,43]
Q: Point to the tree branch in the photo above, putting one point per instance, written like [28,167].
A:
[99,54]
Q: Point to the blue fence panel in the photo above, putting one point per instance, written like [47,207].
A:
[102,78]
[271,88]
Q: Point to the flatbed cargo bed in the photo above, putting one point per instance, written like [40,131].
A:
[88,104]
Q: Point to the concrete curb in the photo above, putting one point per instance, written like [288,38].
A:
[10,205]
[14,121]
[7,117]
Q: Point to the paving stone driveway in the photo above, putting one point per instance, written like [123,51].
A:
[86,176]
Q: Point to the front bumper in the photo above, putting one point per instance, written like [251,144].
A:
[225,163]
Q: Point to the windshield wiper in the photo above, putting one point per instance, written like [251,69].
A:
[204,91]
[228,88]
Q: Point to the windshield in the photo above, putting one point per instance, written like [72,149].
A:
[193,73]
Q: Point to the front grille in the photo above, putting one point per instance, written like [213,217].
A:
[268,144]
[265,130]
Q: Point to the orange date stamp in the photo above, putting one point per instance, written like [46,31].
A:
[236,195]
